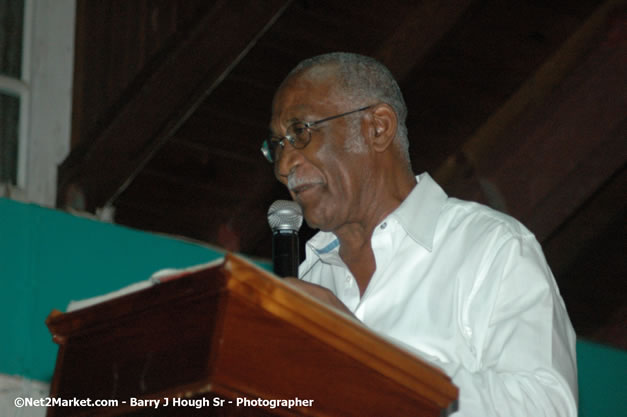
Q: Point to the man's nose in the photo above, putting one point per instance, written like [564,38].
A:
[288,161]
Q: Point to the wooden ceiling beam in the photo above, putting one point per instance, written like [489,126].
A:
[563,248]
[531,95]
[170,93]
[421,28]
[559,138]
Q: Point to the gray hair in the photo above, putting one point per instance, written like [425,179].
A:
[362,79]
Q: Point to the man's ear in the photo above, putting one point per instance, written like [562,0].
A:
[382,127]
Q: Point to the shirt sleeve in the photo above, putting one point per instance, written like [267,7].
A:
[520,354]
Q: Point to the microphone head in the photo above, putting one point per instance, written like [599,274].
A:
[285,215]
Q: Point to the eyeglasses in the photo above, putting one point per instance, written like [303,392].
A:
[298,135]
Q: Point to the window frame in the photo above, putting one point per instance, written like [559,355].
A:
[45,94]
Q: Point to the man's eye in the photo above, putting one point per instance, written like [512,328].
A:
[299,129]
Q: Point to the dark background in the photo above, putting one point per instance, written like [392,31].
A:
[520,105]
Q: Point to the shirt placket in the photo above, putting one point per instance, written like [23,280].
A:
[383,248]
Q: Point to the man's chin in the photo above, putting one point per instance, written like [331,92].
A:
[317,220]
[310,217]
[315,212]
[311,223]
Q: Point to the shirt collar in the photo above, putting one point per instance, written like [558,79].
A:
[419,212]
[418,215]
[325,245]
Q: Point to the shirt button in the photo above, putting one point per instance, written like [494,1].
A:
[468,331]
[384,225]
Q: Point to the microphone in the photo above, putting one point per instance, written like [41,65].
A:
[285,218]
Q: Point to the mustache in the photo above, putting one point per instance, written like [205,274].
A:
[295,181]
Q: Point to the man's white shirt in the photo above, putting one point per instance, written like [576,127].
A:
[468,288]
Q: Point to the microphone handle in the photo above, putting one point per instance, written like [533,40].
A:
[285,255]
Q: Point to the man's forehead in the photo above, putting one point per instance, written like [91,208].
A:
[312,78]
[302,90]
[303,94]
[302,84]
[286,112]
[320,72]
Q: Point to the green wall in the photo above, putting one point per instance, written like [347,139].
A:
[602,373]
[48,258]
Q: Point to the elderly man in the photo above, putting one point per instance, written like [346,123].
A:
[458,283]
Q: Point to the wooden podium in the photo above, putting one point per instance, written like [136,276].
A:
[234,333]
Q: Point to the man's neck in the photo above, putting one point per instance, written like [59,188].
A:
[356,252]
[356,238]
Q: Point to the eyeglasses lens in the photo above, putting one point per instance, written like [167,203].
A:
[297,135]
